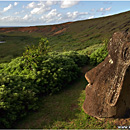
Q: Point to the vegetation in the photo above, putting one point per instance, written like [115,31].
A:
[63,110]
[36,73]
[99,55]
[14,46]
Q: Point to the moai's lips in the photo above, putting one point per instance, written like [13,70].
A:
[106,79]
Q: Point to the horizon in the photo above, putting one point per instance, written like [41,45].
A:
[40,13]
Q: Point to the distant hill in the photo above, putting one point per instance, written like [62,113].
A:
[67,36]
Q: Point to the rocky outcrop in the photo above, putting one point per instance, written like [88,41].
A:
[108,91]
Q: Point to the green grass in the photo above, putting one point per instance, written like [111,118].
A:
[14,46]
[63,111]
[90,49]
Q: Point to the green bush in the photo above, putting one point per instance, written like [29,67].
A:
[17,96]
[99,55]
[17,92]
[79,58]
[35,73]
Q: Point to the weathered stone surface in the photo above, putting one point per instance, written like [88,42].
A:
[108,91]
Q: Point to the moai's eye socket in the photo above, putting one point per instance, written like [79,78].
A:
[126,53]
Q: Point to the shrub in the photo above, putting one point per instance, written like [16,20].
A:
[99,55]
[17,96]
[35,73]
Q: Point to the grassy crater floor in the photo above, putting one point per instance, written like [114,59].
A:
[64,111]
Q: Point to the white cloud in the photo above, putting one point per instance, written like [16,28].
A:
[27,17]
[91,17]
[51,2]
[10,19]
[8,8]
[109,14]
[40,10]
[16,13]
[68,3]
[107,2]
[18,19]
[76,14]
[31,5]
[36,11]
[52,13]
[15,3]
[108,9]
[52,16]
[104,9]
[100,10]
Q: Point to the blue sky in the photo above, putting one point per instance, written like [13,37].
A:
[31,13]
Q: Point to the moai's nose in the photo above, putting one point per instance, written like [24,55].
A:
[93,74]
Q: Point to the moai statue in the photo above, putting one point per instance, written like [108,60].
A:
[108,91]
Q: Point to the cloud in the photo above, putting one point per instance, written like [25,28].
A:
[10,19]
[91,17]
[18,19]
[27,17]
[42,13]
[109,14]
[10,6]
[100,10]
[51,2]
[47,3]
[19,12]
[15,3]
[76,14]
[108,9]
[52,16]
[36,11]
[31,5]
[68,3]
[104,9]
[16,13]
[107,2]
[40,10]
[52,13]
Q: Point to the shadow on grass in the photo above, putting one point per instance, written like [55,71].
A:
[62,106]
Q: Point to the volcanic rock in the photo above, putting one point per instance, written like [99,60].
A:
[108,91]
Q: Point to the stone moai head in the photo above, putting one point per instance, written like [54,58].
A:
[108,91]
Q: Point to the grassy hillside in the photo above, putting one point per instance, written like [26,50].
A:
[67,36]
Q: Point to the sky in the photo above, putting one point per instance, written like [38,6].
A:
[32,13]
